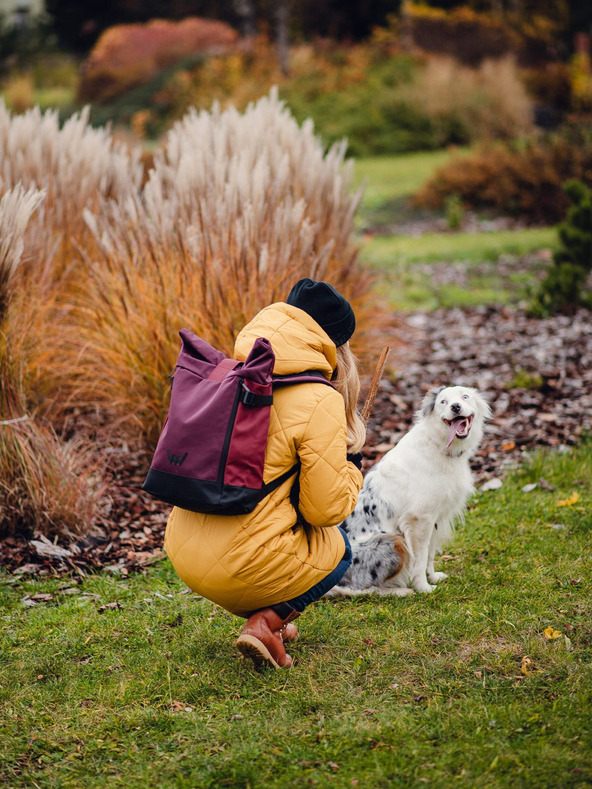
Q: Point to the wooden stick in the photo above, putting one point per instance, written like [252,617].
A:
[367,410]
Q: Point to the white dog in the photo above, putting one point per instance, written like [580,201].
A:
[411,497]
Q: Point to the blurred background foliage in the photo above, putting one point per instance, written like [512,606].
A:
[390,76]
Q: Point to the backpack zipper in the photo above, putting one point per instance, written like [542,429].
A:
[228,436]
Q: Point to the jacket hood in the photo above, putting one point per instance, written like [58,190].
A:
[298,341]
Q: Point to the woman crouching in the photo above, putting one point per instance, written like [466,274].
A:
[269,564]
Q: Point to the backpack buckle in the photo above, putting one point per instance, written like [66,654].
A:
[248,398]
[253,400]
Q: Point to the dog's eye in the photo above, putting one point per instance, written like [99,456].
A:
[442,402]
[465,397]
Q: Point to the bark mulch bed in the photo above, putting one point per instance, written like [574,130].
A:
[536,375]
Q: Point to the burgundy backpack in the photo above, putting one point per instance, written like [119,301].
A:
[211,451]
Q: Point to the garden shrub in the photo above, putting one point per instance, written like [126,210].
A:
[372,124]
[550,86]
[522,179]
[414,103]
[465,104]
[473,36]
[468,36]
[581,82]
[381,100]
[18,92]
[564,287]
[362,102]
[129,55]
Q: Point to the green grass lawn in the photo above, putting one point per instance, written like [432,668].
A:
[487,682]
[459,269]
[384,251]
[410,267]
[388,178]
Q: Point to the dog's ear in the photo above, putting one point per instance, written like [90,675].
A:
[483,406]
[428,403]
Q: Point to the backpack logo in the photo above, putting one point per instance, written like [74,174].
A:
[175,460]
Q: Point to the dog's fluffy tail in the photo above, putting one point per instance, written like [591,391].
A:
[399,556]
[375,561]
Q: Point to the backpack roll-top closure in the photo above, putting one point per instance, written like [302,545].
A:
[196,348]
[245,455]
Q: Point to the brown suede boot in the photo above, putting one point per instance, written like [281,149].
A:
[261,639]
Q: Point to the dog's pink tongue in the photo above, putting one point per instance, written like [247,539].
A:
[456,426]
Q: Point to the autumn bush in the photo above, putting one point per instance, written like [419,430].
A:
[550,87]
[472,36]
[381,99]
[462,33]
[581,81]
[466,104]
[361,96]
[18,92]
[523,179]
[129,55]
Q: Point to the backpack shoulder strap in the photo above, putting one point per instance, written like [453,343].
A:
[307,376]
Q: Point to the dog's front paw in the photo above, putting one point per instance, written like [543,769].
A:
[435,578]
[424,587]
[396,591]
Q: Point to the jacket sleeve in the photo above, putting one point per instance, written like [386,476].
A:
[329,483]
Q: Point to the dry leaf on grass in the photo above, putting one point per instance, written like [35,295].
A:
[525,666]
[573,499]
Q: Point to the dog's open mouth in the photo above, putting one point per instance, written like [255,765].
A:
[460,427]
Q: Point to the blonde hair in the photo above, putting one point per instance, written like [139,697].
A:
[347,384]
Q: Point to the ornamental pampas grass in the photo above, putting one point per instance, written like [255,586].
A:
[237,207]
[76,165]
[45,484]
[16,208]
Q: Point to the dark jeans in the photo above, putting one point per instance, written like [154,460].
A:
[329,581]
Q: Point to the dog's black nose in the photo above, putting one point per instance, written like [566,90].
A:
[455,408]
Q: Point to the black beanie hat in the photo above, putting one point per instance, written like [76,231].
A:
[329,309]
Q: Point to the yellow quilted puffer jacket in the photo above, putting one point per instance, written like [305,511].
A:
[246,562]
